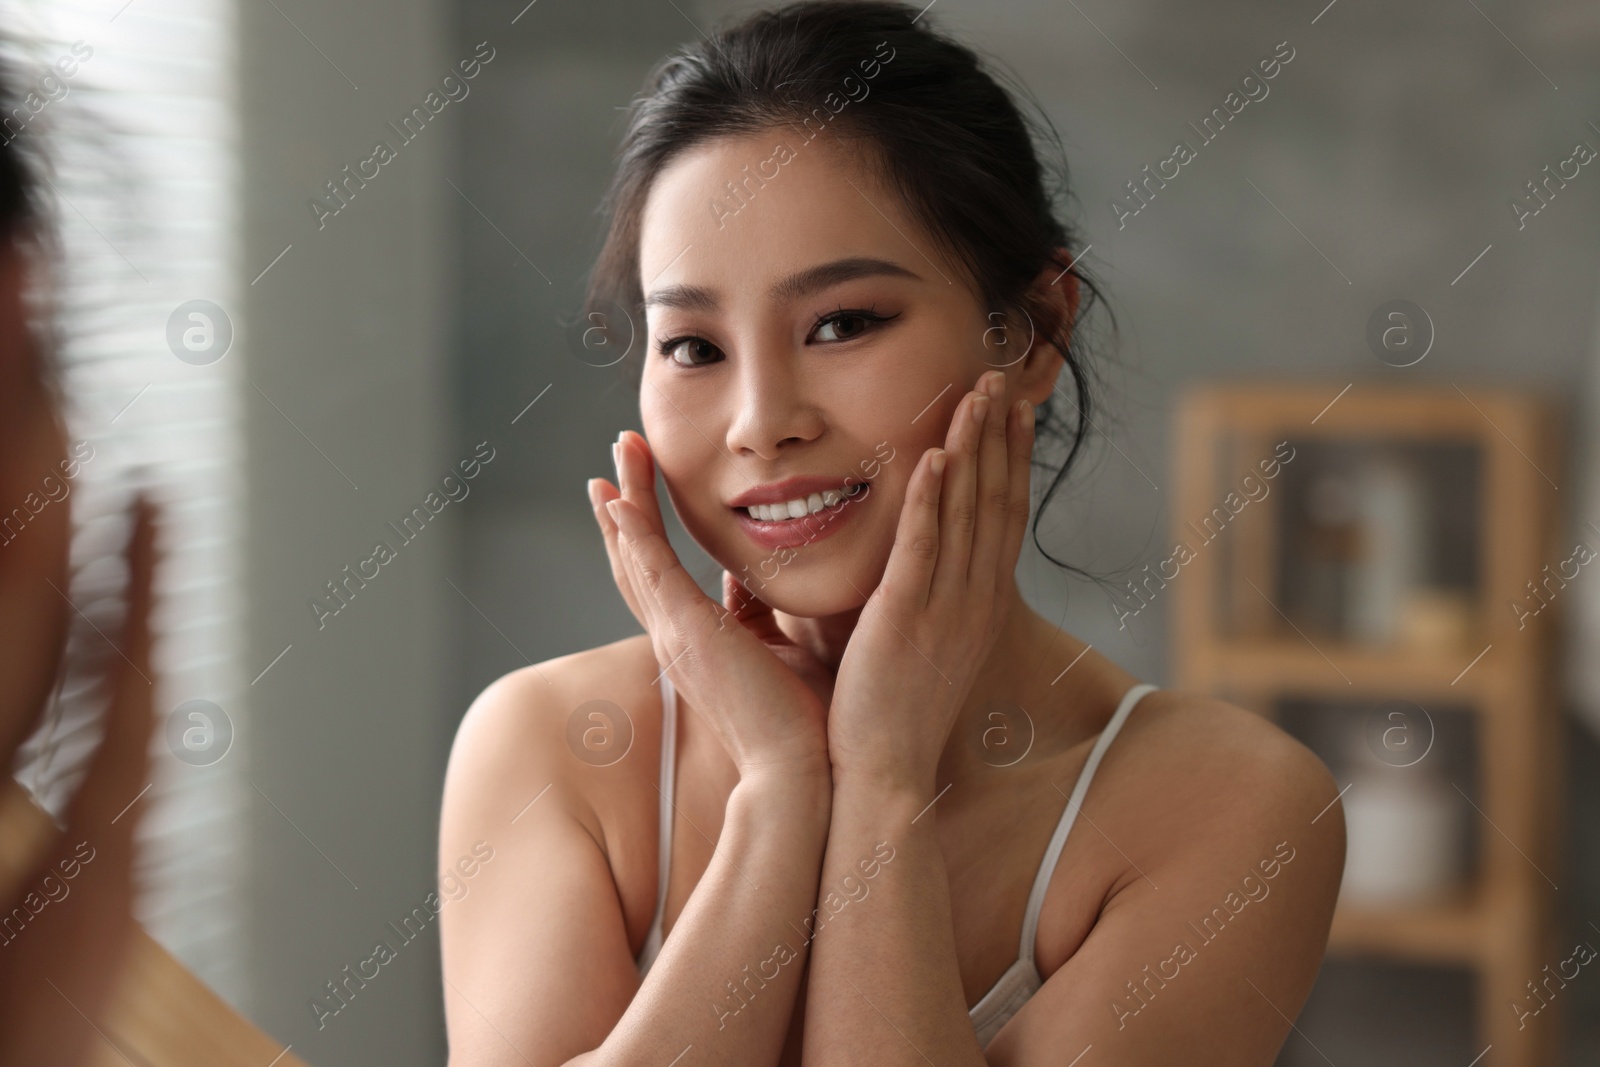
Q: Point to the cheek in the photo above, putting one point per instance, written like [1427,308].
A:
[680,446]
[931,429]
[691,466]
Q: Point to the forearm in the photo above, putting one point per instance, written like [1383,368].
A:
[885,984]
[726,979]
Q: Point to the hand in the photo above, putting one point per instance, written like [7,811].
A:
[765,697]
[930,624]
[66,959]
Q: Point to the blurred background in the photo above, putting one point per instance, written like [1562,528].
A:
[1390,261]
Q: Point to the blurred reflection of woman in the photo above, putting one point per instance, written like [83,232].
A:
[66,919]
[871,836]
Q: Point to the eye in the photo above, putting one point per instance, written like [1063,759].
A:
[690,351]
[847,324]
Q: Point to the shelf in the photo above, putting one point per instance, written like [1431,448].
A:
[1446,930]
[1331,667]
[1489,529]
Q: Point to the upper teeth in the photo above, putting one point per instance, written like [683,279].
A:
[802,506]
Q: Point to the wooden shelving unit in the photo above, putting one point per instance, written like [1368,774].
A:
[1234,639]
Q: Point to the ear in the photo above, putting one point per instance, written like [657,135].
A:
[1054,295]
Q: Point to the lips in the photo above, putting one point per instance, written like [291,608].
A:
[767,514]
[792,489]
[800,507]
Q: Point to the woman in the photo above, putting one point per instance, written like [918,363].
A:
[856,298]
[64,924]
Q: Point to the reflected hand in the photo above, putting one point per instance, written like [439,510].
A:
[66,960]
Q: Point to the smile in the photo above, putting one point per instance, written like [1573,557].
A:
[802,520]
[800,507]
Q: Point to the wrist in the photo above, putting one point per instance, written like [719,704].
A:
[806,771]
[805,788]
[888,790]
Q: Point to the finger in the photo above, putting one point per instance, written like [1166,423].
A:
[681,609]
[649,611]
[738,599]
[992,495]
[601,491]
[749,610]
[636,482]
[908,578]
[957,506]
[636,477]
[105,811]
[1020,440]
[120,764]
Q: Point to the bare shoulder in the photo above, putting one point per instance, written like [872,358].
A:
[545,945]
[1209,747]
[518,736]
[1219,850]
[1194,775]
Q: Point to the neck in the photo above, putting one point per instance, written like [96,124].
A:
[1016,670]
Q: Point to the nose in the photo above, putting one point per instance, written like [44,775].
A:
[772,406]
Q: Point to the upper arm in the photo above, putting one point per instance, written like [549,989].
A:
[537,965]
[1207,949]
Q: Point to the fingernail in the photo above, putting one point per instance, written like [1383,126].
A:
[616,456]
[1027,414]
[612,509]
[937,463]
[980,408]
[995,383]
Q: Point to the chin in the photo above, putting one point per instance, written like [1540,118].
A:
[817,581]
[817,592]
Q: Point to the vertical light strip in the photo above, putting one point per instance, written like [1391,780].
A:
[143,135]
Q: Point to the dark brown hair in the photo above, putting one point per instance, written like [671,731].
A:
[932,122]
[22,212]
[27,220]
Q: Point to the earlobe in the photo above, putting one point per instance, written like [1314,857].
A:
[1056,291]
[1058,283]
[1039,373]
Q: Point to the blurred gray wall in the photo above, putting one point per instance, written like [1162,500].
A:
[347,349]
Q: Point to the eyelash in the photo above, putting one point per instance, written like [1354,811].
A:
[870,315]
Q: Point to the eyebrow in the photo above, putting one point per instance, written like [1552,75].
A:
[796,285]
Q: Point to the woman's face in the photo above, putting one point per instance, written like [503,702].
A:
[804,337]
[35,532]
